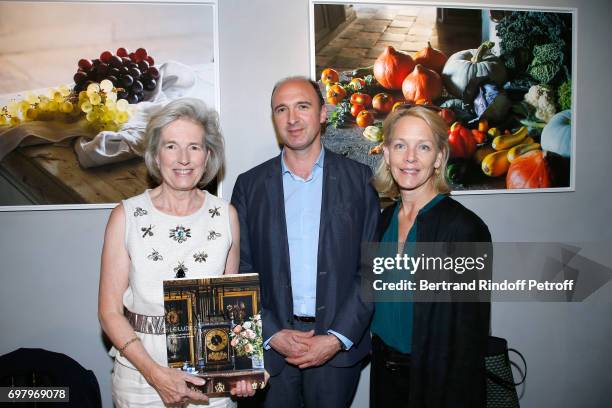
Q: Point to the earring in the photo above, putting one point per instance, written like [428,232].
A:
[437,171]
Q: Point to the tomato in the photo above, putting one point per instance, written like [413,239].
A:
[357,83]
[335,94]
[329,75]
[361,98]
[356,108]
[365,118]
[383,102]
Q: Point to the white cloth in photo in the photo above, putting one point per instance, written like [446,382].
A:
[176,80]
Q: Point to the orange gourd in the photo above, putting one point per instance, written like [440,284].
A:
[422,83]
[531,170]
[431,58]
[392,67]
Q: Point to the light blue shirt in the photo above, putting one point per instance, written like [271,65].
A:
[303,216]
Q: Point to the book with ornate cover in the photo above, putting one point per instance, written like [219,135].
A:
[213,330]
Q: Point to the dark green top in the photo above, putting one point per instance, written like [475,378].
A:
[392,321]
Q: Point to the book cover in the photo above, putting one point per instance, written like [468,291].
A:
[213,330]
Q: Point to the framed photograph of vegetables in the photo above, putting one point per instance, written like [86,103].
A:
[500,78]
[79,82]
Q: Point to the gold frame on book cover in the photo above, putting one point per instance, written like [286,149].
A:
[187,300]
[248,296]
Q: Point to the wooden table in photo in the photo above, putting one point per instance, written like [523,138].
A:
[51,174]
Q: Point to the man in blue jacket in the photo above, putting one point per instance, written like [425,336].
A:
[303,217]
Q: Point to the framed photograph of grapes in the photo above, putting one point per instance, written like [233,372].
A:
[79,81]
[505,92]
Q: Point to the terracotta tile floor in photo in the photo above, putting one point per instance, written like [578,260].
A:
[406,28]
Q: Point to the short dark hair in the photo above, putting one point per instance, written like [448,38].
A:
[312,83]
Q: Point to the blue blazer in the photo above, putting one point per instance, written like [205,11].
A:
[349,215]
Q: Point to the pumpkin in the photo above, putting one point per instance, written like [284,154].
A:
[431,58]
[464,71]
[422,83]
[557,134]
[391,67]
[531,170]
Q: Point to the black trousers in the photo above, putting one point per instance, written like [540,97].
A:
[389,376]
[315,387]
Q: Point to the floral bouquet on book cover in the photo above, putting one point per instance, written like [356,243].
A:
[247,338]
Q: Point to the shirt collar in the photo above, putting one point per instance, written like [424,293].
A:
[317,163]
[432,203]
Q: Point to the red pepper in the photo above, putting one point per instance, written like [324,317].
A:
[461,141]
[479,136]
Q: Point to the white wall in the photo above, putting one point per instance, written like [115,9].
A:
[50,259]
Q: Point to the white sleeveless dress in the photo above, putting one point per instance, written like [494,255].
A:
[162,247]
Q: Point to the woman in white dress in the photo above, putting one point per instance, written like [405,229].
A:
[175,230]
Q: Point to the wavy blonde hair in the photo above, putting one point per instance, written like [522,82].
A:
[383,181]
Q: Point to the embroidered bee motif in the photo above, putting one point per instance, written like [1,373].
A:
[214,211]
[147,231]
[212,235]
[155,256]
[200,256]
[180,234]
[180,271]
[140,212]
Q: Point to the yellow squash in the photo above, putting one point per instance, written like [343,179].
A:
[521,149]
[496,164]
[504,142]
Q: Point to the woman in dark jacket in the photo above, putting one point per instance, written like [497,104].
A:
[425,354]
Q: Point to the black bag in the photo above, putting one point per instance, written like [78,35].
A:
[501,391]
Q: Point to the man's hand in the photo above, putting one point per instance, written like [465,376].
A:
[320,350]
[290,343]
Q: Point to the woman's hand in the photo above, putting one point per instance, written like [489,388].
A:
[172,385]
[243,388]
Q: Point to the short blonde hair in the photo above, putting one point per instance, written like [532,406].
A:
[383,181]
[195,110]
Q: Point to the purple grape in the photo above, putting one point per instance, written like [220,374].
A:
[150,84]
[127,81]
[143,66]
[102,68]
[134,72]
[137,86]
[132,98]
[80,76]
[115,61]
[154,73]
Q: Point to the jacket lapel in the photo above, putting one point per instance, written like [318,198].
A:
[278,221]
[328,198]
